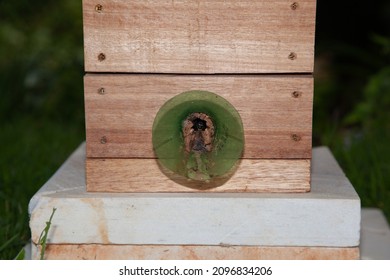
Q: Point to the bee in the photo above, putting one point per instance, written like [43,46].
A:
[198,133]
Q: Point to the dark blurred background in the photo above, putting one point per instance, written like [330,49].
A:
[42,110]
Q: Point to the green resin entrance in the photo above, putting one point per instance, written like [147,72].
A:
[198,135]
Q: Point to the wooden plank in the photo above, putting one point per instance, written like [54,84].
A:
[145,175]
[178,252]
[270,113]
[327,216]
[205,36]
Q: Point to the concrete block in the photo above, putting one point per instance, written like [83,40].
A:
[375,235]
[328,216]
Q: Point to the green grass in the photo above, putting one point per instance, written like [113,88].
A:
[33,152]
[41,104]
[42,241]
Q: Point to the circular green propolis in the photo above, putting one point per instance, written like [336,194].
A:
[198,135]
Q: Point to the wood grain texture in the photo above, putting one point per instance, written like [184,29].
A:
[180,252]
[270,113]
[203,36]
[146,175]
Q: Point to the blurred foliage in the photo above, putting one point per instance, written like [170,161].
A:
[352,94]
[41,104]
[373,110]
[41,99]
[42,59]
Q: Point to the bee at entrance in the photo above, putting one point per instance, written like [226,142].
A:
[199,136]
[199,124]
[198,133]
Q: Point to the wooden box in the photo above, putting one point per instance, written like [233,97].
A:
[258,55]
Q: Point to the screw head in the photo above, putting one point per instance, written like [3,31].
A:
[98,8]
[292,56]
[101,91]
[101,56]
[294,6]
[296,94]
[295,137]
[103,140]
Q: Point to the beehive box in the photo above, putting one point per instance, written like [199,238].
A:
[258,55]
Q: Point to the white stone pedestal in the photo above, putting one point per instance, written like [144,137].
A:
[324,223]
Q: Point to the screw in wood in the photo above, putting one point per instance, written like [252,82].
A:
[296,94]
[101,91]
[296,137]
[98,8]
[101,56]
[292,56]
[103,140]
[294,6]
